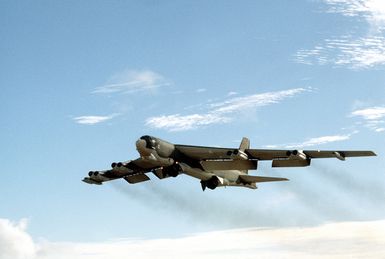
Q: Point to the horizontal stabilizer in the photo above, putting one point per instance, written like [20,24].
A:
[229,165]
[259,179]
[137,178]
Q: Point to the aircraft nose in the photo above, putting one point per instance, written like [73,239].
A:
[141,147]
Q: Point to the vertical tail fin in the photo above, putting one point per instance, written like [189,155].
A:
[245,144]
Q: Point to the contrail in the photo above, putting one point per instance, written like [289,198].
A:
[317,198]
[320,194]
[335,194]
[365,186]
[200,207]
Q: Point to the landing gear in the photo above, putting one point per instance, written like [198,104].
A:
[212,183]
[173,170]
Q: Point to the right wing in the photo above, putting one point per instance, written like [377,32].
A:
[213,158]
[270,154]
[212,153]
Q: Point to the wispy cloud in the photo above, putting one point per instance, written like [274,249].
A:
[356,53]
[373,117]
[177,122]
[93,119]
[131,81]
[372,10]
[334,240]
[201,90]
[314,141]
[231,93]
[221,112]
[353,50]
[252,101]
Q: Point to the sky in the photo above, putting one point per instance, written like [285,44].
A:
[81,81]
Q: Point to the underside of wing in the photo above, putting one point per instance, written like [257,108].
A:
[131,171]
[259,179]
[223,165]
[337,154]
[136,178]
[267,154]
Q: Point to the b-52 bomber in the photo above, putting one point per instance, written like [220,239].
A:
[213,166]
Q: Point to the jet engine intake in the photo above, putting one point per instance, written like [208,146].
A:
[213,182]
[119,165]
[96,176]
[237,154]
[173,170]
[296,155]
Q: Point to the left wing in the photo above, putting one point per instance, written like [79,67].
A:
[131,171]
[259,179]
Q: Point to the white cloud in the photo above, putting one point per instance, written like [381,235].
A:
[177,122]
[373,117]
[314,141]
[373,113]
[93,119]
[334,240]
[352,50]
[222,112]
[131,81]
[15,242]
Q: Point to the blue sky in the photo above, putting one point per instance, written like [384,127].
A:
[82,80]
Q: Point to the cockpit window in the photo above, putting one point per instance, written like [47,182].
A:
[150,141]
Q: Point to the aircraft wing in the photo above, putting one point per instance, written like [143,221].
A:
[267,154]
[131,171]
[259,179]
[211,156]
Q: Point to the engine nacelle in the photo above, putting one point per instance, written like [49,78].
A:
[214,182]
[297,155]
[173,170]
[237,154]
[97,176]
[120,165]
